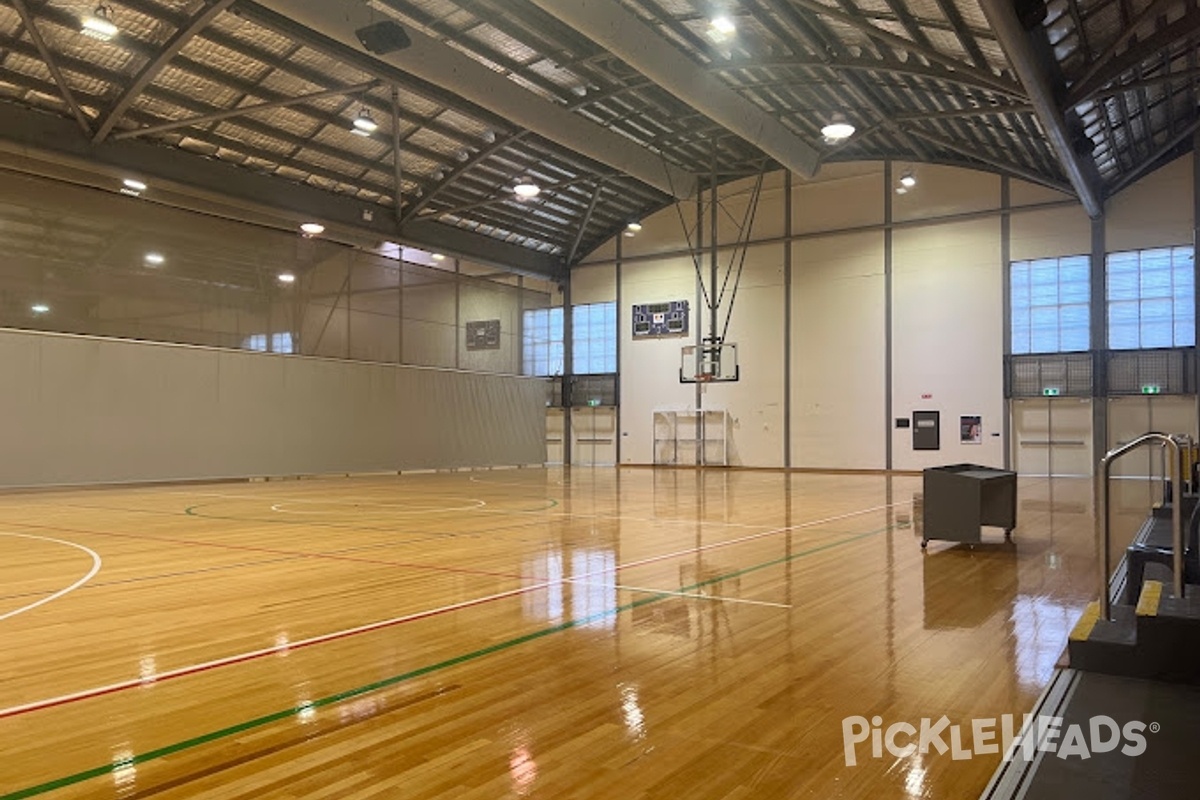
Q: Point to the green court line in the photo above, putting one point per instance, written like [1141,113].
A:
[258,722]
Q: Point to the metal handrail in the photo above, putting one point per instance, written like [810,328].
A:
[1102,517]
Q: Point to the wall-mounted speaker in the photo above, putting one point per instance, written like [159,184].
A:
[383,37]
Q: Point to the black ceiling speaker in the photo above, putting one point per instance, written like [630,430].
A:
[383,37]
[1030,13]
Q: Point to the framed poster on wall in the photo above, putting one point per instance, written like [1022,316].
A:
[970,429]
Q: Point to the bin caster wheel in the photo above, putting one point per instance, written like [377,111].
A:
[924,543]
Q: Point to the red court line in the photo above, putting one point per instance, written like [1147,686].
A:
[272,551]
[252,655]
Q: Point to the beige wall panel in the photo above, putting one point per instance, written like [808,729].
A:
[1155,211]
[768,219]
[941,191]
[478,303]
[755,401]
[837,203]
[1023,193]
[593,284]
[947,337]
[650,367]
[1050,233]
[838,352]
[99,410]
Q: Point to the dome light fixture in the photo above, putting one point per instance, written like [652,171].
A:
[286,277]
[154,259]
[634,227]
[99,25]
[526,189]
[40,308]
[908,180]
[837,130]
[365,124]
[312,228]
[438,257]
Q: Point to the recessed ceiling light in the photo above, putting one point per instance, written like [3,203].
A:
[908,180]
[724,25]
[134,184]
[720,28]
[365,122]
[154,259]
[901,190]
[99,24]
[313,228]
[39,308]
[634,226]
[838,129]
[286,277]
[526,189]
[438,257]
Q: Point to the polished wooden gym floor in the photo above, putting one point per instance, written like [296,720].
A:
[595,633]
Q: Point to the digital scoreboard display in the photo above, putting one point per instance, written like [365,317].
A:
[660,319]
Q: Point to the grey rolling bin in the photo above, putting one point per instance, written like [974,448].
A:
[960,499]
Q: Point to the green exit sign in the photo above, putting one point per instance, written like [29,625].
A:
[1050,391]
[594,402]
[1150,388]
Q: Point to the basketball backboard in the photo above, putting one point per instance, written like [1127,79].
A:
[708,363]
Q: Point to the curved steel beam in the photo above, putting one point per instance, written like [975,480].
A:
[611,26]
[438,63]
[1019,48]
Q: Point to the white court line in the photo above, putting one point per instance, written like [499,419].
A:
[180,672]
[96,562]
[716,597]
[393,508]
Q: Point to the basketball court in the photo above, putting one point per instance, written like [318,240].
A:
[619,633]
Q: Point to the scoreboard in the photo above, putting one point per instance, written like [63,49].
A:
[660,319]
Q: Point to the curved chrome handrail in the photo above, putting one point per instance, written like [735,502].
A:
[1103,524]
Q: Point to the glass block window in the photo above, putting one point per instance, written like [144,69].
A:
[1050,302]
[1151,299]
[279,342]
[542,342]
[594,338]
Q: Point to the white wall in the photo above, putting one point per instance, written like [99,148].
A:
[946,304]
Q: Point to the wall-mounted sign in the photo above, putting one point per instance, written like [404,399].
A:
[483,335]
[970,428]
[660,319]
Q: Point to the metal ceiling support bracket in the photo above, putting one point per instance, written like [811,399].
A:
[583,223]
[1155,160]
[52,65]
[900,43]
[46,144]
[609,25]
[149,72]
[1019,47]
[243,110]
[442,65]
[1112,66]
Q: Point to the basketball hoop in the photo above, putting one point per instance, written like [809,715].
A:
[704,377]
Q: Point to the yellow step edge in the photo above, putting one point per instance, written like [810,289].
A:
[1083,628]
[1151,596]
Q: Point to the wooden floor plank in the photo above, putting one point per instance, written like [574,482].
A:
[525,652]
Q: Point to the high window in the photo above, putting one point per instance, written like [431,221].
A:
[1050,300]
[1151,299]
